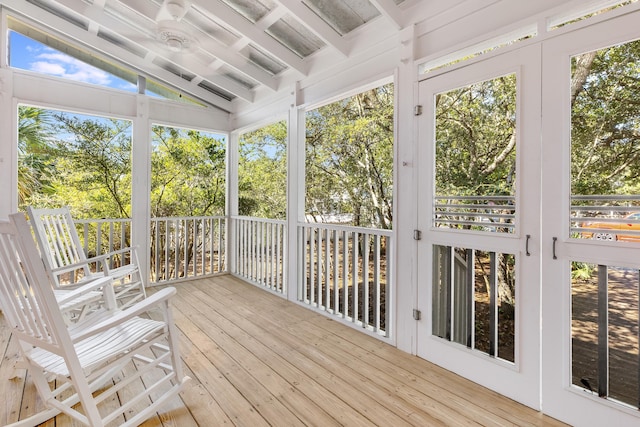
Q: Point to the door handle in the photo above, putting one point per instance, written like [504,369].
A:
[555,239]
[526,245]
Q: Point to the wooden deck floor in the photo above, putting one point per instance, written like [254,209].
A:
[258,360]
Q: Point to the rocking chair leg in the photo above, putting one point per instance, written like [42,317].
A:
[36,419]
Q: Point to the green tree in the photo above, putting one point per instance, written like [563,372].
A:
[34,154]
[476,139]
[262,172]
[349,158]
[605,125]
[93,166]
[188,173]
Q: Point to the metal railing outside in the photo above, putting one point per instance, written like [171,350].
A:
[480,213]
[605,217]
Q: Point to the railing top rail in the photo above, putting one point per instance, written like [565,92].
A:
[605,209]
[607,197]
[174,218]
[258,219]
[100,220]
[349,228]
[475,198]
[482,206]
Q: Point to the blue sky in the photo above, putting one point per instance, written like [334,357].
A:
[28,54]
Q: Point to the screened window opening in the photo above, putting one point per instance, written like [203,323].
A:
[475,157]
[605,148]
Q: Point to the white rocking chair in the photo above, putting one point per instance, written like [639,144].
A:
[85,356]
[63,255]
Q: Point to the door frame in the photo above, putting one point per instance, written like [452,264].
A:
[520,380]
[560,399]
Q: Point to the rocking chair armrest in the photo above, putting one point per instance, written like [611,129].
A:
[102,258]
[120,316]
[102,283]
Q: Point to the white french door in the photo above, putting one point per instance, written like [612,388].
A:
[478,201]
[591,217]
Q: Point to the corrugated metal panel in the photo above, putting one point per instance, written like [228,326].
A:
[211,28]
[295,36]
[343,16]
[61,13]
[216,90]
[237,77]
[262,60]
[253,10]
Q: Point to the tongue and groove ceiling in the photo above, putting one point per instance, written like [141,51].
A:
[229,53]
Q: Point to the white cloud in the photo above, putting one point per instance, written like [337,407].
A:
[58,64]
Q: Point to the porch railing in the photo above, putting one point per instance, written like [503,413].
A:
[101,236]
[261,251]
[187,247]
[345,271]
[180,248]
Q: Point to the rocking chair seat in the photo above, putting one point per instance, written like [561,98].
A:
[88,358]
[101,347]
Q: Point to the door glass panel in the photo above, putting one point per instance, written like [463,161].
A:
[605,330]
[605,148]
[474,299]
[475,170]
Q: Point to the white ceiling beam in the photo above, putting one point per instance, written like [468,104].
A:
[391,11]
[187,63]
[237,62]
[140,64]
[317,25]
[203,71]
[220,12]
[211,47]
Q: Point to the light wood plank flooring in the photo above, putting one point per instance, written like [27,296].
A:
[258,360]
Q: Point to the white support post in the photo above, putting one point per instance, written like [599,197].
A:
[233,158]
[8,146]
[403,326]
[295,190]
[8,130]
[141,185]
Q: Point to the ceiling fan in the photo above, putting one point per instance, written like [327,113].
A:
[169,32]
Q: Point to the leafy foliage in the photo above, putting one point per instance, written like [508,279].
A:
[93,166]
[349,159]
[34,153]
[476,140]
[605,124]
[188,173]
[262,172]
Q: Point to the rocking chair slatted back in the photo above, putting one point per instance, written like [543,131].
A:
[27,308]
[62,240]
[66,261]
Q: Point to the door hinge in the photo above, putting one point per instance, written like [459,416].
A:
[417,235]
[417,314]
[417,110]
